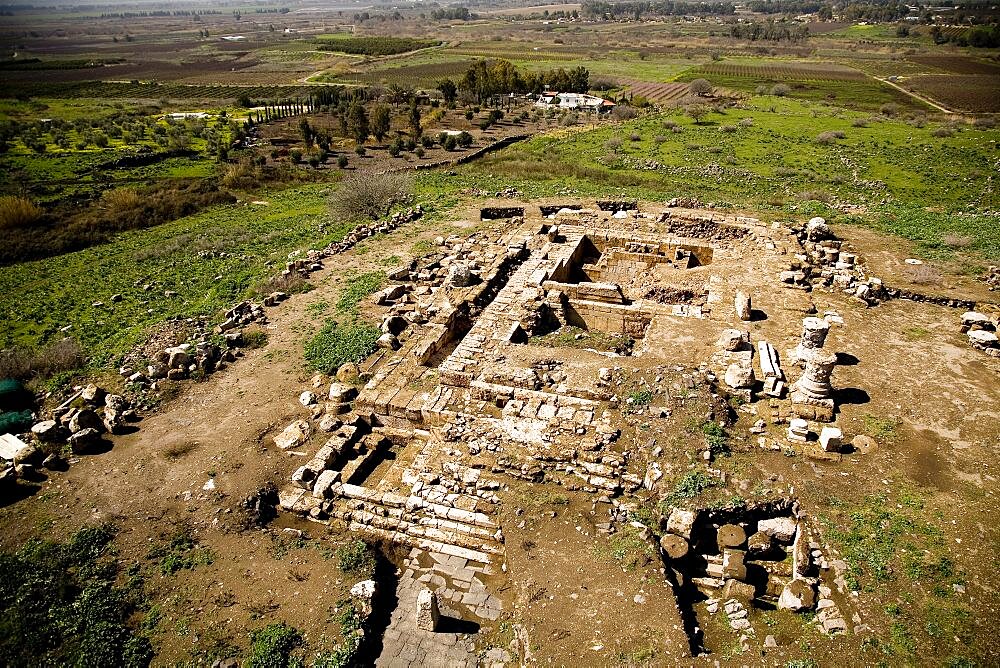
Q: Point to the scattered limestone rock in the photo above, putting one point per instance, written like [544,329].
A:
[739,376]
[47,431]
[797,595]
[293,435]
[779,528]
[830,439]
[85,419]
[681,522]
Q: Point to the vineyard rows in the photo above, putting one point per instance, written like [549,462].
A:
[799,71]
[659,93]
[409,75]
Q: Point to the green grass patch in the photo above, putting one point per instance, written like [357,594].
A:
[40,298]
[275,646]
[356,557]
[182,552]
[690,486]
[626,547]
[883,428]
[357,288]
[772,164]
[891,545]
[338,344]
[574,337]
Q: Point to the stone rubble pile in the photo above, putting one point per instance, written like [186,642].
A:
[81,422]
[362,232]
[981,332]
[762,556]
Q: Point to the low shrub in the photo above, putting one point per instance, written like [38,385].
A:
[63,605]
[371,195]
[274,647]
[58,357]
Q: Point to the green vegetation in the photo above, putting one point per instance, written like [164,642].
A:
[67,604]
[641,397]
[890,544]
[691,485]
[338,344]
[716,437]
[373,46]
[274,646]
[348,622]
[627,547]
[357,288]
[182,552]
[881,428]
[356,557]
[41,297]
[574,337]
[771,163]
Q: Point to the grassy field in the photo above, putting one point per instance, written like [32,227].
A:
[774,162]
[40,298]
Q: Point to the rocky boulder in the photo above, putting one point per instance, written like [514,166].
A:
[797,595]
[85,419]
[293,435]
[681,522]
[779,528]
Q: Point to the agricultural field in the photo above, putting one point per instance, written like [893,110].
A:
[784,71]
[958,64]
[656,93]
[861,94]
[967,92]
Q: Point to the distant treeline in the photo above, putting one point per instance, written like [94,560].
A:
[159,12]
[786,6]
[451,14]
[375,46]
[771,31]
[616,10]
[873,12]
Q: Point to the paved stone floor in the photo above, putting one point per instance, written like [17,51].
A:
[461,596]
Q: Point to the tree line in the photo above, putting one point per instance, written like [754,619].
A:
[772,31]
[636,10]
[452,14]
[487,79]
[375,46]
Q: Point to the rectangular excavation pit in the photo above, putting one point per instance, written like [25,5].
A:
[500,212]
[553,209]
[368,462]
[616,205]
[607,258]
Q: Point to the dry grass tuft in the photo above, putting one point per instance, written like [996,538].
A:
[18,211]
